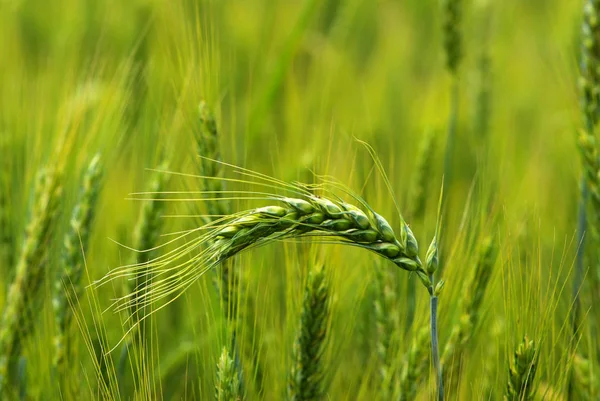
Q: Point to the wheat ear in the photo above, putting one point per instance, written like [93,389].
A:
[521,373]
[17,320]
[6,240]
[422,176]
[306,377]
[415,365]
[67,286]
[590,104]
[147,233]
[227,385]
[453,50]
[475,290]
[226,278]
[388,326]
[586,383]
[332,221]
[207,145]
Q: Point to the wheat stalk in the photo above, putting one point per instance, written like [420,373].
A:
[521,373]
[306,377]
[17,320]
[227,386]
[67,286]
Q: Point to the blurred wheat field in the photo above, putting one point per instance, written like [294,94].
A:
[291,88]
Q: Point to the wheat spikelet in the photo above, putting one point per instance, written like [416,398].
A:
[306,377]
[227,386]
[521,373]
[16,321]
[67,286]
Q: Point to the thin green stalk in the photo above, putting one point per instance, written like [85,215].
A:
[433,305]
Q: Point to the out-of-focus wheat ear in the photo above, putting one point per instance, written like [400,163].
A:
[422,175]
[147,233]
[20,306]
[464,329]
[6,237]
[207,146]
[226,278]
[387,323]
[452,34]
[306,380]
[227,385]
[521,373]
[146,237]
[453,48]
[67,284]
[589,83]
[415,365]
[585,382]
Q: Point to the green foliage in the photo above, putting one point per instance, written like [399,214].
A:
[284,89]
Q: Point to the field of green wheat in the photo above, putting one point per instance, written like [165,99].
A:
[299,200]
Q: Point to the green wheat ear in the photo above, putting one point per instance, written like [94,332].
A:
[148,231]
[227,385]
[521,373]
[306,376]
[17,320]
[67,285]
[415,365]
[452,34]
[464,329]
[586,384]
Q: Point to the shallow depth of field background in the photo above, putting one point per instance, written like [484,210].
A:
[293,84]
